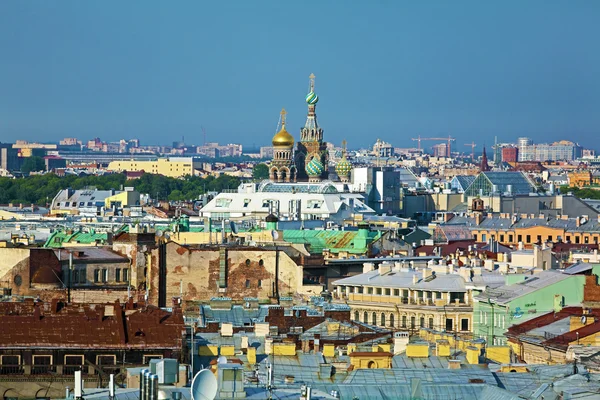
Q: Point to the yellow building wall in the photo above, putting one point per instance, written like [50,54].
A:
[499,354]
[417,350]
[513,368]
[373,362]
[227,350]
[472,355]
[251,355]
[284,349]
[162,166]
[328,350]
[443,349]
[208,350]
[387,347]
[122,198]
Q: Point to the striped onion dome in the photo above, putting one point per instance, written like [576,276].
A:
[312,98]
[314,167]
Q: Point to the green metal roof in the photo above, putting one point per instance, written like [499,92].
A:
[335,241]
[57,238]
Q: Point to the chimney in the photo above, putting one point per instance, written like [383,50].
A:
[427,272]
[453,364]
[368,267]
[478,218]
[415,279]
[578,221]
[521,246]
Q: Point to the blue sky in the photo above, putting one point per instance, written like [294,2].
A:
[388,69]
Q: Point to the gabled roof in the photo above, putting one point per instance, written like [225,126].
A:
[462,182]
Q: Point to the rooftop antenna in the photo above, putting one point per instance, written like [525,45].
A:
[203,134]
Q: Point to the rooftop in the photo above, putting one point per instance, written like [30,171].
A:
[507,293]
[404,279]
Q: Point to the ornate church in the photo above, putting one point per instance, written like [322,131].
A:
[310,159]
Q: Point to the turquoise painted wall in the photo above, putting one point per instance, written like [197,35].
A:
[523,308]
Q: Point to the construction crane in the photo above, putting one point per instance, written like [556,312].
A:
[473,145]
[448,139]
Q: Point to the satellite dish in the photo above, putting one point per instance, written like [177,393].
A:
[222,360]
[234,228]
[204,386]
[297,313]
[275,234]
[159,233]
[247,304]
[583,319]
[167,236]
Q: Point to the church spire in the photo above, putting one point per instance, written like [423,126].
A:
[483,167]
[312,99]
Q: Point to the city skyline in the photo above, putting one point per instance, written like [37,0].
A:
[159,73]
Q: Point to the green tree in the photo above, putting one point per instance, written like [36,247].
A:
[260,172]
[33,164]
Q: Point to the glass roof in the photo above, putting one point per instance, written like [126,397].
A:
[322,187]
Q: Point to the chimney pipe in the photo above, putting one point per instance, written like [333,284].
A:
[142,381]
[111,387]
[153,387]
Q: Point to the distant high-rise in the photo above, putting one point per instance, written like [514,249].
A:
[510,154]
[563,150]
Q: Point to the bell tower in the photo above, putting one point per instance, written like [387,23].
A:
[311,152]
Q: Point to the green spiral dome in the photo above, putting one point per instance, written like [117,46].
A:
[312,98]
[315,167]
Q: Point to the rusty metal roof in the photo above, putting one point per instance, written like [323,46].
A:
[101,326]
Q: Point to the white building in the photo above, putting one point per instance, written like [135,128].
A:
[289,201]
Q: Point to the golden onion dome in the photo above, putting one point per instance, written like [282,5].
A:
[283,138]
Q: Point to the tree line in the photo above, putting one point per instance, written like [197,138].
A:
[41,189]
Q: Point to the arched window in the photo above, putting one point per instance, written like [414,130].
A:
[374,320]
[404,321]
[430,323]
[365,317]
[382,322]
[422,322]
[392,320]
[356,315]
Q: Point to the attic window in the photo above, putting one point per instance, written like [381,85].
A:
[246,202]
[140,333]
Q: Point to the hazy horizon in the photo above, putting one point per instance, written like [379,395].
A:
[384,69]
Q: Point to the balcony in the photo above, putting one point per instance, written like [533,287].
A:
[6,369]
[70,369]
[43,369]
